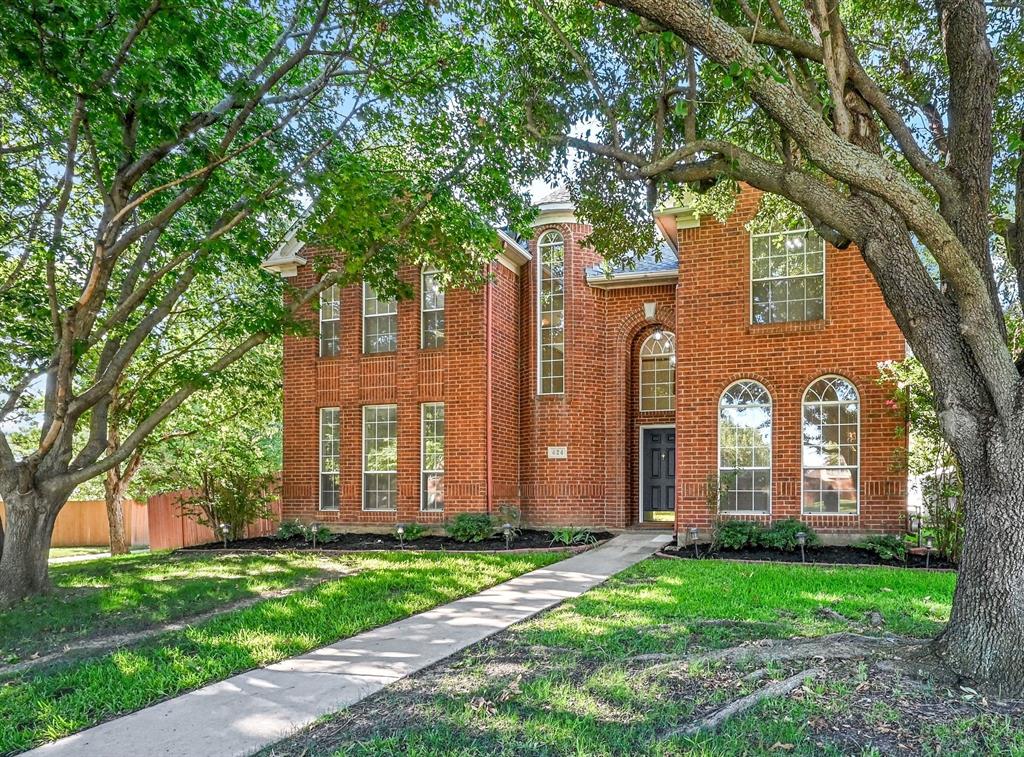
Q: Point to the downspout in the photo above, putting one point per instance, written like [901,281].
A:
[488,324]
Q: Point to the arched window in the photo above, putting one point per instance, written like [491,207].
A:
[745,448]
[551,314]
[831,447]
[658,372]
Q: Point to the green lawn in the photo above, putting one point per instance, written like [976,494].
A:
[125,594]
[46,705]
[569,681]
[77,551]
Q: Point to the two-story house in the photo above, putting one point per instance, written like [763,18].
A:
[589,397]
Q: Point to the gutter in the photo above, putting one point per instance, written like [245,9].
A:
[632,279]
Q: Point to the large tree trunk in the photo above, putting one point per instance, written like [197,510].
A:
[984,640]
[26,547]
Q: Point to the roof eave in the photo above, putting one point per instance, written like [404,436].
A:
[631,279]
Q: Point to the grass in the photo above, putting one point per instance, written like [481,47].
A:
[567,682]
[125,594]
[47,705]
[77,551]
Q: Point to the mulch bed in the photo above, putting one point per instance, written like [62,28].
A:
[527,539]
[820,555]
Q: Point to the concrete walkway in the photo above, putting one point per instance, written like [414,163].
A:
[245,713]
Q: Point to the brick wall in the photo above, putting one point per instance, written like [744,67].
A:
[597,418]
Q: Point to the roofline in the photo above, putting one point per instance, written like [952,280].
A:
[513,249]
[631,279]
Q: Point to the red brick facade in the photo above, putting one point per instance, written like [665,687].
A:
[498,429]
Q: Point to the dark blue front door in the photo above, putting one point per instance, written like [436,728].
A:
[658,475]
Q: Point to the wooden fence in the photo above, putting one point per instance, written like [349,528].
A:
[170,529]
[83,523]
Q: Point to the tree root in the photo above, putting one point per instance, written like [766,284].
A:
[738,707]
[839,646]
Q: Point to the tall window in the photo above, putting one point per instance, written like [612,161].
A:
[431,311]
[658,372]
[432,457]
[831,447]
[380,323]
[330,452]
[745,448]
[330,321]
[551,314]
[380,457]
[787,271]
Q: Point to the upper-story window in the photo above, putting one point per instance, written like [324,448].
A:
[330,321]
[380,323]
[787,272]
[831,447]
[551,314]
[658,372]
[745,448]
[431,310]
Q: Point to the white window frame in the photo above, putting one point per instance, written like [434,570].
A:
[392,313]
[366,472]
[771,446]
[750,277]
[860,438]
[640,372]
[323,458]
[424,471]
[541,246]
[424,310]
[335,305]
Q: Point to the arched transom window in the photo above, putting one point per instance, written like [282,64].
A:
[745,448]
[551,314]
[831,447]
[658,372]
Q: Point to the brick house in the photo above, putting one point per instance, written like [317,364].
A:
[746,359]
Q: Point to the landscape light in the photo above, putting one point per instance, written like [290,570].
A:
[225,529]
[693,538]
[400,530]
[929,545]
[801,539]
[507,530]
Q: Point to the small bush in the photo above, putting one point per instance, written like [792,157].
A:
[782,535]
[738,534]
[572,536]
[886,546]
[470,527]
[512,515]
[292,528]
[289,529]
[414,531]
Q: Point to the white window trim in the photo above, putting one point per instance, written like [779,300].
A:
[320,345]
[860,449]
[537,311]
[362,463]
[771,449]
[640,468]
[320,462]
[750,276]
[424,309]
[366,289]
[640,375]
[423,454]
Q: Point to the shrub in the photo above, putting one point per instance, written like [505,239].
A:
[782,535]
[738,534]
[289,529]
[572,536]
[414,531]
[512,515]
[886,546]
[470,527]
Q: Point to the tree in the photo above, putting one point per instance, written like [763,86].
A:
[154,149]
[897,128]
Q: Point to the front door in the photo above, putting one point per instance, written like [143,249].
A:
[658,475]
